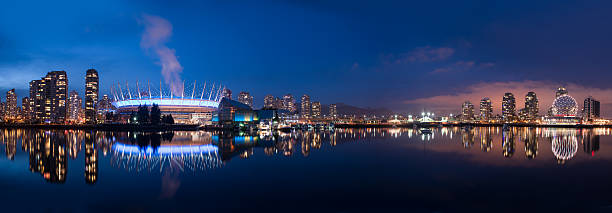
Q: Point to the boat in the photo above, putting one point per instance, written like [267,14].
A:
[425,130]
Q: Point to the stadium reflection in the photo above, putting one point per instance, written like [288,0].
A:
[49,151]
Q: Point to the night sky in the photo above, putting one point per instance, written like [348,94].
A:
[402,55]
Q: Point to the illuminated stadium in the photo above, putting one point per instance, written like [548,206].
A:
[191,104]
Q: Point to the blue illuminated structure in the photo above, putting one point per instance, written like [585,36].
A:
[179,102]
[166,150]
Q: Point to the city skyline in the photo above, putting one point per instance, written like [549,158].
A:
[492,44]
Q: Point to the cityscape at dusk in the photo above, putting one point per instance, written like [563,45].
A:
[317,106]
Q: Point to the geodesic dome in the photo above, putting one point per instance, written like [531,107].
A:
[565,105]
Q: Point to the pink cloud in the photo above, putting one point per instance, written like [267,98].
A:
[545,91]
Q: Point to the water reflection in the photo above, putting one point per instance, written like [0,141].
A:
[171,153]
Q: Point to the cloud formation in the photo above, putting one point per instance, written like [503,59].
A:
[420,55]
[156,33]
[545,91]
[461,66]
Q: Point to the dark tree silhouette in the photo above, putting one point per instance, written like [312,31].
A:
[155,114]
[143,114]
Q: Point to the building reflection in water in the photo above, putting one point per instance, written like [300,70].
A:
[508,143]
[91,158]
[486,139]
[531,144]
[48,151]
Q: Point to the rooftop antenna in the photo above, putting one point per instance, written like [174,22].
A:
[211,91]
[121,91]
[194,87]
[128,88]
[160,91]
[183,92]
[201,97]
[149,85]
[138,90]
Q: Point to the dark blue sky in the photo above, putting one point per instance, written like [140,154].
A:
[364,53]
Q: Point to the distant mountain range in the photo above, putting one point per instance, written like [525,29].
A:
[345,109]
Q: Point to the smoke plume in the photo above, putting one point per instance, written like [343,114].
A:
[156,33]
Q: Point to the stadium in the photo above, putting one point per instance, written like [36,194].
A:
[193,104]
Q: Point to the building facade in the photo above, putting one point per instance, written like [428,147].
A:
[467,111]
[316,109]
[269,102]
[560,91]
[91,95]
[531,106]
[50,97]
[227,93]
[591,108]
[486,109]
[509,107]
[75,105]
[245,98]
[11,111]
[333,111]
[289,103]
[306,108]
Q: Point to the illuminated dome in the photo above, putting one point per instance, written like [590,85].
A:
[564,105]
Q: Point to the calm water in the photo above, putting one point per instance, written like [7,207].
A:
[347,170]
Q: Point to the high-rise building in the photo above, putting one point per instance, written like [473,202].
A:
[269,102]
[316,109]
[278,103]
[49,97]
[2,108]
[333,111]
[91,95]
[245,98]
[467,111]
[10,108]
[531,106]
[75,105]
[486,109]
[508,107]
[26,109]
[103,107]
[227,93]
[306,109]
[591,108]
[560,91]
[289,103]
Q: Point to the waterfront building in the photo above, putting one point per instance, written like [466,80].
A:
[591,108]
[269,102]
[245,98]
[26,109]
[289,103]
[231,112]
[2,104]
[91,95]
[10,108]
[560,91]
[531,106]
[467,112]
[316,109]
[564,111]
[50,96]
[523,114]
[333,111]
[305,110]
[508,107]
[103,107]
[75,105]
[227,93]
[486,109]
